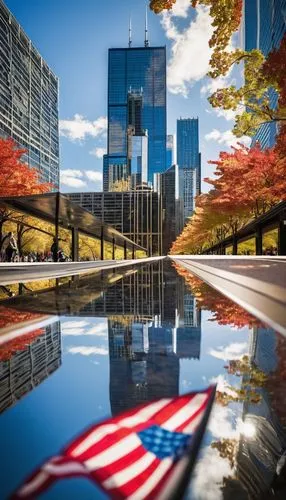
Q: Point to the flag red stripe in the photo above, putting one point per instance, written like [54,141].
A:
[135,483]
[201,410]
[104,444]
[171,409]
[120,464]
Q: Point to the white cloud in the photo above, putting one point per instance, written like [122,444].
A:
[75,328]
[213,84]
[74,324]
[93,175]
[72,178]
[222,424]
[99,330]
[180,8]
[208,486]
[222,385]
[190,51]
[226,138]
[98,152]
[88,350]
[233,351]
[78,128]
[76,178]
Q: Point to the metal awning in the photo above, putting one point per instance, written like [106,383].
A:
[57,209]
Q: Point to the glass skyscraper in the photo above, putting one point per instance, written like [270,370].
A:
[140,71]
[189,162]
[264,27]
[188,155]
[170,151]
[28,99]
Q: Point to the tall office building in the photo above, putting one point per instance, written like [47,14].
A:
[189,162]
[29,99]
[170,160]
[264,28]
[167,185]
[136,214]
[136,100]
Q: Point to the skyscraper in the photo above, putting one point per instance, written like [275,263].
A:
[189,162]
[167,184]
[170,151]
[264,27]
[29,99]
[137,99]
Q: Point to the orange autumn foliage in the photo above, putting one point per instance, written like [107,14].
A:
[9,316]
[246,184]
[224,311]
[17,178]
[10,348]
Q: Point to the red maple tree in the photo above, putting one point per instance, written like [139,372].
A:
[17,178]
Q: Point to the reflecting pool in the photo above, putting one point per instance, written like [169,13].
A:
[77,350]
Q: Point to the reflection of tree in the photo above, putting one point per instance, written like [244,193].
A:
[253,378]
[10,316]
[227,448]
[18,344]
[123,320]
[225,312]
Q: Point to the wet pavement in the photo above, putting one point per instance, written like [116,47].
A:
[76,350]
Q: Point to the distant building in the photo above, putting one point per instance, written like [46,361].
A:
[189,162]
[188,190]
[138,158]
[28,99]
[136,214]
[264,28]
[170,157]
[167,184]
[136,98]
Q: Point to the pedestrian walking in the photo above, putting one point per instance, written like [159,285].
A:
[9,247]
[54,250]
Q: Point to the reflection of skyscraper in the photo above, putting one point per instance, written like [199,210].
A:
[259,452]
[143,365]
[145,353]
[26,368]
[140,71]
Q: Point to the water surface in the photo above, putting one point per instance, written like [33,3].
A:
[107,342]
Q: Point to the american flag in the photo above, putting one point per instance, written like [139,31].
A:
[144,453]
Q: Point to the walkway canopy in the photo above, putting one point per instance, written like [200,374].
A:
[274,218]
[57,209]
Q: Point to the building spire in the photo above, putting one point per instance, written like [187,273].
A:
[130,33]
[146,29]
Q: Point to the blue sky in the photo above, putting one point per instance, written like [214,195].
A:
[74,36]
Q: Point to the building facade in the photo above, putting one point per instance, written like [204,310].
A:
[167,184]
[189,163]
[137,98]
[170,157]
[264,28]
[29,99]
[136,214]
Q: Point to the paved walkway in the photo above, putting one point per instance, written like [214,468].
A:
[258,284]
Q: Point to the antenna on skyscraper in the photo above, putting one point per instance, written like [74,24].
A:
[130,33]
[146,29]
